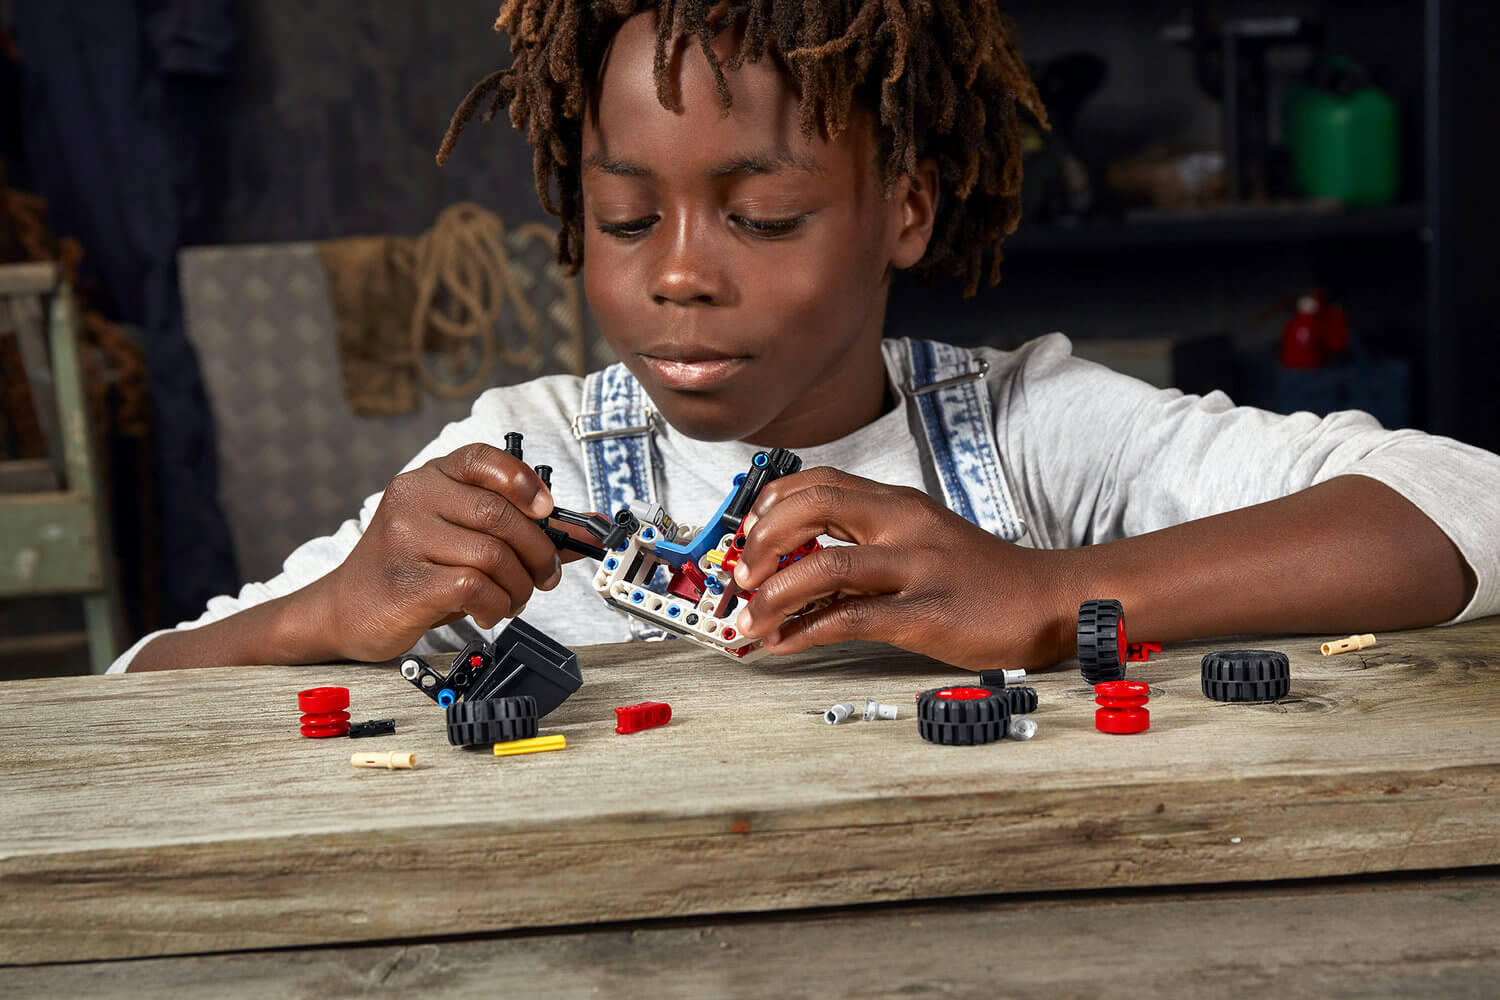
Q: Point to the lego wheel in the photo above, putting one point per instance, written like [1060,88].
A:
[1101,641]
[493,720]
[962,716]
[1022,700]
[1246,675]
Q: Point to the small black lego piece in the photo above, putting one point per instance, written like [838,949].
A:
[608,533]
[522,660]
[492,720]
[1101,641]
[1246,675]
[962,716]
[374,727]
[1022,700]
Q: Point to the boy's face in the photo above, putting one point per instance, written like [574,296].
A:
[737,269]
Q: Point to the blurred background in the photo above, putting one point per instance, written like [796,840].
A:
[280,297]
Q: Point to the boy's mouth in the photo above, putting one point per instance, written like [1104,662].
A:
[693,370]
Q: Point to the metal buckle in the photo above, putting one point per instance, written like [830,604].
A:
[970,376]
[582,435]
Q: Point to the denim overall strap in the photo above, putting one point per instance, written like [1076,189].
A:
[615,428]
[947,385]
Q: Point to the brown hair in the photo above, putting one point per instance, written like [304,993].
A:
[943,78]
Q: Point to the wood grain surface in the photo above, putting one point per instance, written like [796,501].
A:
[166,813]
[1387,937]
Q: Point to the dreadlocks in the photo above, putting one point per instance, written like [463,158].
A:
[943,76]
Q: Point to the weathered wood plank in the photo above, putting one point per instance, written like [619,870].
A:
[160,813]
[1432,938]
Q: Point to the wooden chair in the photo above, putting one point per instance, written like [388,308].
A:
[54,523]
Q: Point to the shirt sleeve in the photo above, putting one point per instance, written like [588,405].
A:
[1105,456]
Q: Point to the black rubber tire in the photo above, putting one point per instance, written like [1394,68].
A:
[962,722]
[493,720]
[1246,675]
[1022,700]
[1101,624]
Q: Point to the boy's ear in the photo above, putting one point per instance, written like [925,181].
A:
[916,206]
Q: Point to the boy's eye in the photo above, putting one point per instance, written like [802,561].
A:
[628,229]
[768,227]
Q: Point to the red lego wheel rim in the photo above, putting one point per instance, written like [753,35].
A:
[323,699]
[964,694]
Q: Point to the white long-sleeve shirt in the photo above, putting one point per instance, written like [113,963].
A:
[1091,456]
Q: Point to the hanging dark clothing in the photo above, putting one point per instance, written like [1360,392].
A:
[109,87]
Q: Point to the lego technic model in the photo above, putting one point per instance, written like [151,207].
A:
[676,578]
[680,579]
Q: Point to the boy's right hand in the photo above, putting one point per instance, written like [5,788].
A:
[455,537]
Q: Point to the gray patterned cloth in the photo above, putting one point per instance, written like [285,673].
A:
[294,459]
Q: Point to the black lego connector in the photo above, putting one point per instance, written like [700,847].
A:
[764,467]
[375,727]
[522,660]
[609,533]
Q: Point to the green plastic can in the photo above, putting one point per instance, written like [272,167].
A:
[1344,143]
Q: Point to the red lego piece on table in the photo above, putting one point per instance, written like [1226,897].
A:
[1137,652]
[646,715]
[322,711]
[1122,707]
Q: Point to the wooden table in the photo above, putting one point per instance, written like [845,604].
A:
[1341,832]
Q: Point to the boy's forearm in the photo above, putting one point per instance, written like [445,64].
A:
[290,629]
[1347,555]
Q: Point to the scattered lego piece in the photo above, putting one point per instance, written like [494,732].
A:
[322,712]
[491,720]
[1000,678]
[1101,641]
[535,745]
[1022,700]
[875,710]
[962,716]
[523,660]
[839,713]
[1349,645]
[1140,652]
[646,715]
[1021,728]
[1122,707]
[389,760]
[1246,675]
[374,727]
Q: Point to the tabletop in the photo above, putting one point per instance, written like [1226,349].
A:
[181,813]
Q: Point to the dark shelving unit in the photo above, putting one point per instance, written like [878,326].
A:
[1416,275]
[1220,227]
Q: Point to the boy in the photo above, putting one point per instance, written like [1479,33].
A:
[738,182]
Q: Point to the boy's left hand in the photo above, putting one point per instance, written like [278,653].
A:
[918,576]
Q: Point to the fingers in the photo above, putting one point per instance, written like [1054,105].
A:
[822,475]
[490,468]
[475,594]
[817,502]
[577,534]
[482,510]
[495,557]
[837,570]
[842,621]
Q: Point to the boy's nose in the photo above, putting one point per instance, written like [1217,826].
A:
[688,273]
